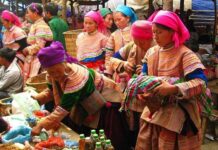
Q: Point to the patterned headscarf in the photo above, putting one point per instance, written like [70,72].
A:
[9,16]
[171,20]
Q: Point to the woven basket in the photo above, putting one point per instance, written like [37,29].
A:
[6,106]
[38,82]
[70,40]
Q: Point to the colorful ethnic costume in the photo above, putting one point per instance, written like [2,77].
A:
[40,35]
[15,37]
[84,97]
[176,124]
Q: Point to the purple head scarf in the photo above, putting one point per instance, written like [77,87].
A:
[54,54]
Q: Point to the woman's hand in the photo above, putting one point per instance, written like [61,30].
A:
[138,69]
[165,89]
[129,67]
[25,51]
[36,130]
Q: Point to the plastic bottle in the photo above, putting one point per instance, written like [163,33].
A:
[88,144]
[109,145]
[102,134]
[95,139]
[98,146]
[102,140]
[82,142]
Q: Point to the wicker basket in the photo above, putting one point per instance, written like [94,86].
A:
[38,82]
[70,40]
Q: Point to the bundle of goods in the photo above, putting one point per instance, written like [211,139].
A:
[144,84]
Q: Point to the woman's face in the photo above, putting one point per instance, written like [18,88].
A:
[142,43]
[6,24]
[90,25]
[31,15]
[108,20]
[162,37]
[120,20]
[57,72]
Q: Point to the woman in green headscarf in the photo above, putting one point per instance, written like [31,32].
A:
[107,14]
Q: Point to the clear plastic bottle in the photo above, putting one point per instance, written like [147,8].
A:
[109,145]
[102,140]
[98,146]
[95,138]
[102,134]
[82,142]
[93,132]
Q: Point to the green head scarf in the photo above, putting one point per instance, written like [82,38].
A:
[105,11]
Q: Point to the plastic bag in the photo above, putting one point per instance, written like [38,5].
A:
[24,103]
[18,134]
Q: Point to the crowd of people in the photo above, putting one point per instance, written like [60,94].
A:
[89,92]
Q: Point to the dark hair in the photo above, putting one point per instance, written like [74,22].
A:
[163,27]
[52,8]
[8,54]
[36,7]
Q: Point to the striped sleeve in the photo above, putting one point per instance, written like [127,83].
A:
[191,62]
[42,34]
[191,88]
[109,51]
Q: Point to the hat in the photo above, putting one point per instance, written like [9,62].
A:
[54,54]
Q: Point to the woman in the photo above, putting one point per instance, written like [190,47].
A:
[107,14]
[90,43]
[128,61]
[124,16]
[73,87]
[14,37]
[40,35]
[176,124]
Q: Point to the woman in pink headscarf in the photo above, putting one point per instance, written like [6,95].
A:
[14,37]
[175,123]
[90,43]
[128,61]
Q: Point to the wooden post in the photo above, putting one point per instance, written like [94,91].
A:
[168,5]
[215,36]
[182,13]
[150,7]
[64,9]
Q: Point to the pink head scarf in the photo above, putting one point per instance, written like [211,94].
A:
[141,29]
[96,16]
[171,20]
[7,15]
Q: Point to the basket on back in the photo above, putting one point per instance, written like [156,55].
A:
[70,40]
[38,82]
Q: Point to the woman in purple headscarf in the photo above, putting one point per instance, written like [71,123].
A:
[75,90]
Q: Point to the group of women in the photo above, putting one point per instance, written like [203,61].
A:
[88,92]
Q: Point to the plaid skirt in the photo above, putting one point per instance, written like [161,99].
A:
[153,137]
